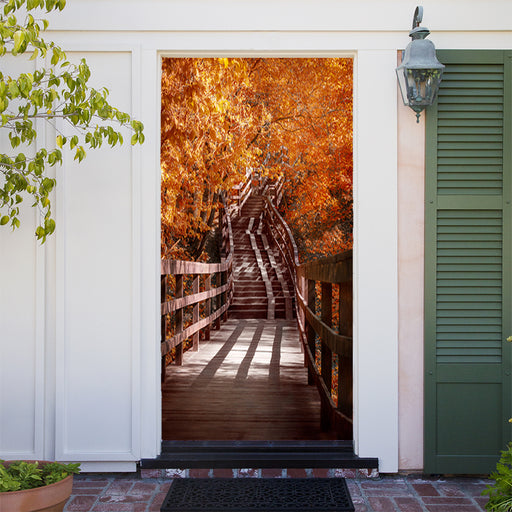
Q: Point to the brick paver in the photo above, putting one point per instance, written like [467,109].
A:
[389,493]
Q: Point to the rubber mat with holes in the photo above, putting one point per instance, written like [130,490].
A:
[258,495]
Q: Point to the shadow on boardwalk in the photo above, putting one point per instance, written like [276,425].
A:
[247,383]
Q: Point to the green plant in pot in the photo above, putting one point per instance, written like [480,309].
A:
[500,492]
[35,486]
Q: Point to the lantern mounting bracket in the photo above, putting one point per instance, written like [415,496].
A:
[418,17]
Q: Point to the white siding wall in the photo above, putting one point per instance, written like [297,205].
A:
[98,288]
[22,308]
[79,324]
[22,355]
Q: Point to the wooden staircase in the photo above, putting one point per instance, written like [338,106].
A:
[263,287]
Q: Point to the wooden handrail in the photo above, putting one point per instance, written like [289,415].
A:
[335,340]
[191,267]
[280,232]
[242,192]
[189,300]
[274,190]
[222,293]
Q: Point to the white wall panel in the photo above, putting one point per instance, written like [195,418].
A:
[21,322]
[21,346]
[95,290]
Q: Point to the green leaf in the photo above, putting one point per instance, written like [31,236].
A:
[19,39]
[40,232]
[55,56]
[13,89]
[49,226]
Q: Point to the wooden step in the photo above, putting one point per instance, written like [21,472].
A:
[259,454]
[256,279]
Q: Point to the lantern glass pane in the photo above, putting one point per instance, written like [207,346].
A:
[400,74]
[422,85]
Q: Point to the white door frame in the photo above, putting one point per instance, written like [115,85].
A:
[375,231]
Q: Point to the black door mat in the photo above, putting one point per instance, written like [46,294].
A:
[258,495]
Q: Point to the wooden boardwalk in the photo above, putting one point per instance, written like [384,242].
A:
[247,383]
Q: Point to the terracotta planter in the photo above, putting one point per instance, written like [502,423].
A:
[50,498]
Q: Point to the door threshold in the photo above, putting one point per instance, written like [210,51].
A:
[258,454]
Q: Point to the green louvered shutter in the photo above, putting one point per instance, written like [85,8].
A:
[468,264]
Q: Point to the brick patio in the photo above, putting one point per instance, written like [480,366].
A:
[127,493]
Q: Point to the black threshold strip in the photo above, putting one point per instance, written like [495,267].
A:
[258,454]
[258,495]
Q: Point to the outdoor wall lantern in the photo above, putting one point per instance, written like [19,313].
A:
[420,73]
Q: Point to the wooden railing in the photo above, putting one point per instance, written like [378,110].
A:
[315,320]
[274,190]
[278,230]
[240,194]
[206,288]
[322,287]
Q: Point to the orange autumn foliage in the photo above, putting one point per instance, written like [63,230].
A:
[205,124]
[309,141]
[282,117]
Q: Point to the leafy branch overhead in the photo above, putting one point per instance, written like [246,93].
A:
[27,101]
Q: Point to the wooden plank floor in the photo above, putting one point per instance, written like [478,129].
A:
[247,383]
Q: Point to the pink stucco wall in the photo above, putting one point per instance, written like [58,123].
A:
[411,178]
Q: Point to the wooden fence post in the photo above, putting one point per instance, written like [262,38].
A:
[224,300]
[195,312]
[207,287]
[163,321]
[301,317]
[326,354]
[179,319]
[310,332]
[345,377]
[218,302]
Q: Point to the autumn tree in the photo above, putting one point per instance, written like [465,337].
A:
[206,123]
[283,117]
[58,91]
[307,138]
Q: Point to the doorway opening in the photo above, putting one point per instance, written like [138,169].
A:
[241,136]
